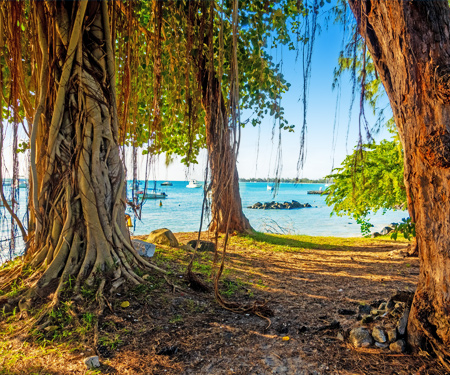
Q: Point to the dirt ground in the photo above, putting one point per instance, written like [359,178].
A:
[306,281]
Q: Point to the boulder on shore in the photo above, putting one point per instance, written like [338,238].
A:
[163,236]
[203,245]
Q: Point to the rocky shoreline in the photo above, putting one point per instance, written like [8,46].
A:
[279,206]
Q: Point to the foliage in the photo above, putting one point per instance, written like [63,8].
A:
[159,67]
[369,180]
[407,228]
[365,226]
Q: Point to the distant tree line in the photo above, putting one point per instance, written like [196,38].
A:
[288,180]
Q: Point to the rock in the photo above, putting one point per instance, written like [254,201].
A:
[303,329]
[144,248]
[51,328]
[381,345]
[364,309]
[346,312]
[168,350]
[377,302]
[402,323]
[203,246]
[386,230]
[398,346]
[278,205]
[360,337]
[403,296]
[296,204]
[382,306]
[163,236]
[92,362]
[390,304]
[375,235]
[378,334]
[392,334]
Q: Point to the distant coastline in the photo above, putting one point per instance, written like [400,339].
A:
[286,180]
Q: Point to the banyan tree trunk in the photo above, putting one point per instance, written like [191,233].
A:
[410,43]
[226,199]
[78,176]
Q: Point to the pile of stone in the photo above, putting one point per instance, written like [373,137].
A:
[383,327]
[386,230]
[278,205]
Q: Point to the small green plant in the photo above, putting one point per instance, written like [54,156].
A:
[407,228]
[112,341]
[87,293]
[232,286]
[69,282]
[176,319]
[88,319]
[192,306]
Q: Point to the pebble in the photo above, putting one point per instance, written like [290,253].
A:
[398,347]
[378,334]
[392,334]
[391,304]
[92,362]
[403,322]
[367,319]
[364,309]
[360,337]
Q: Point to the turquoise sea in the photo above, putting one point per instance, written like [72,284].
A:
[181,211]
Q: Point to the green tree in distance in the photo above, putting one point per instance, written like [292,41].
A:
[369,180]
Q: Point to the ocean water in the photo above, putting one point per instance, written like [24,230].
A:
[181,211]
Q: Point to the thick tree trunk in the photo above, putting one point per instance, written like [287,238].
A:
[410,43]
[226,199]
[224,175]
[79,198]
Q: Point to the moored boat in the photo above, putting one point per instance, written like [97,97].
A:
[193,184]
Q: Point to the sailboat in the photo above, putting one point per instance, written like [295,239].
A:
[153,194]
[193,184]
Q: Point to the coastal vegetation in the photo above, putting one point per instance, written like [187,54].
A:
[368,180]
[288,180]
[103,75]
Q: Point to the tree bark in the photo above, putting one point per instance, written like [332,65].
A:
[79,179]
[226,199]
[409,42]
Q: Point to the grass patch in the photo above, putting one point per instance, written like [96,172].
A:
[298,243]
